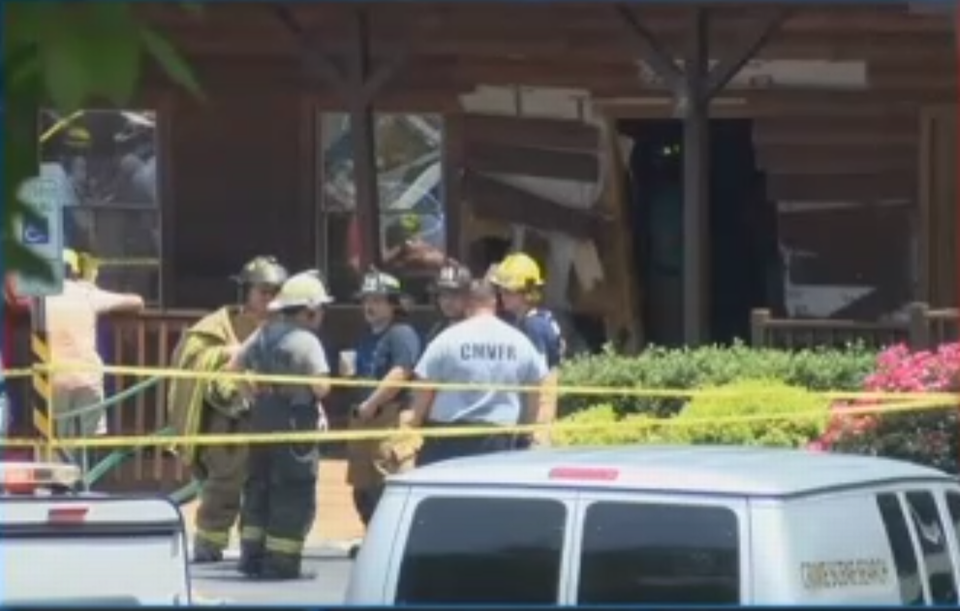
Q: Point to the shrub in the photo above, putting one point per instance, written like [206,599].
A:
[686,368]
[803,414]
[786,416]
[930,437]
[612,429]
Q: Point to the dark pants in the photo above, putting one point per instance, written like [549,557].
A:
[279,503]
[436,449]
[365,501]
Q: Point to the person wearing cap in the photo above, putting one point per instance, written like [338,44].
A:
[488,358]
[519,281]
[451,288]
[72,333]
[207,405]
[387,353]
[279,498]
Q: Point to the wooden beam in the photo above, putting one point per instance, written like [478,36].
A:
[822,160]
[754,40]
[836,131]
[530,161]
[520,131]
[649,47]
[491,199]
[863,187]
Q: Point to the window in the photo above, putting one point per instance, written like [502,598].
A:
[106,161]
[933,544]
[901,547]
[659,554]
[483,550]
[410,187]
[953,505]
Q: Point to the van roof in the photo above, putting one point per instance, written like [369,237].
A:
[727,470]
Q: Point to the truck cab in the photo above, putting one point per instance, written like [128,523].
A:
[62,547]
[663,526]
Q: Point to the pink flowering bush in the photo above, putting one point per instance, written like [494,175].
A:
[928,436]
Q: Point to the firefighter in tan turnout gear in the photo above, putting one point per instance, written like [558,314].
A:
[216,406]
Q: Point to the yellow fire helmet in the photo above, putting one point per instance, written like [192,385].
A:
[305,289]
[518,272]
[71,260]
[78,138]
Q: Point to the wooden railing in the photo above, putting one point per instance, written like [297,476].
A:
[924,328]
[147,340]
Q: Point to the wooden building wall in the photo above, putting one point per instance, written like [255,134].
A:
[863,149]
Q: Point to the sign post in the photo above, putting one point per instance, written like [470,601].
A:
[43,236]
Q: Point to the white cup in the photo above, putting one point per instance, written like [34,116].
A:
[348,363]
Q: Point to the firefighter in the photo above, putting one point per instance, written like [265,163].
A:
[279,498]
[388,353]
[208,405]
[519,281]
[451,289]
[486,351]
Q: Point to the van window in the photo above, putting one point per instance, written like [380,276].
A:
[483,550]
[901,547]
[933,544]
[659,554]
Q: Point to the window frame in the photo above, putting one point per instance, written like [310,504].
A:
[321,230]
[568,499]
[160,119]
[738,506]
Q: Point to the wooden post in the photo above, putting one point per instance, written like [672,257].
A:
[759,321]
[694,86]
[919,326]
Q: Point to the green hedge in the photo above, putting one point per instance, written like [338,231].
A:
[662,368]
[792,417]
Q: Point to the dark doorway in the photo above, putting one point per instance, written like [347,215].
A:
[743,265]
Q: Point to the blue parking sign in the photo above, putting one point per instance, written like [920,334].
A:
[36,233]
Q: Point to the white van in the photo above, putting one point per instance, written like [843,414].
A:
[60,548]
[663,525]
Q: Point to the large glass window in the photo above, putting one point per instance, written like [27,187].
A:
[635,553]
[483,551]
[411,207]
[106,161]
[934,547]
[901,547]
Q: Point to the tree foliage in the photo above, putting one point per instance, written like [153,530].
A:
[64,56]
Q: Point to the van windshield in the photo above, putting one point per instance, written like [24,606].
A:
[483,550]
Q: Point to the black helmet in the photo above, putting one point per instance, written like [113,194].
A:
[262,270]
[376,282]
[453,277]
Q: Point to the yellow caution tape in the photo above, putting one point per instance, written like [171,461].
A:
[599,391]
[129,262]
[140,441]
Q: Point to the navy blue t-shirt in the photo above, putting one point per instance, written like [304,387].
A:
[543,330]
[398,345]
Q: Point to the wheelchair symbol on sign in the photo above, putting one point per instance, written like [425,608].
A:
[35,234]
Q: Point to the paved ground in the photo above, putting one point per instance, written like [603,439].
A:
[336,529]
[221,582]
[337,521]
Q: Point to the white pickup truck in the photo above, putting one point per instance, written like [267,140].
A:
[60,547]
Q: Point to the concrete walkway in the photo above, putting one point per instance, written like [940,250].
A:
[337,523]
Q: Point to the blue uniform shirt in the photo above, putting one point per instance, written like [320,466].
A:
[377,353]
[489,353]
[544,332]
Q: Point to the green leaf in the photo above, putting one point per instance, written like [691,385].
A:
[170,60]
[66,70]
[114,48]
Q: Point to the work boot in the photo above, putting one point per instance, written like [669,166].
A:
[283,567]
[205,552]
[251,559]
